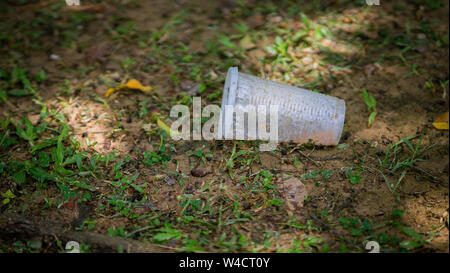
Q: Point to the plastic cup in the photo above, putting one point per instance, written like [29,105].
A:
[303,115]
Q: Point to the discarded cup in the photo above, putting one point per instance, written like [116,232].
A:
[303,115]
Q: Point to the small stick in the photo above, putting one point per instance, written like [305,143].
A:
[312,160]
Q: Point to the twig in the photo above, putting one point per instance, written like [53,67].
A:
[312,160]
[305,156]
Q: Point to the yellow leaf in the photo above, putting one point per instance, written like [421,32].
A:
[131,84]
[135,84]
[246,42]
[161,124]
[109,92]
[441,122]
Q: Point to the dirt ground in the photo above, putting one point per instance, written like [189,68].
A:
[388,182]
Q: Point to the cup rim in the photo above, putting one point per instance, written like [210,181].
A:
[228,97]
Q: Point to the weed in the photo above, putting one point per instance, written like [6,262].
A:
[354,176]
[371,106]
[167,233]
[392,162]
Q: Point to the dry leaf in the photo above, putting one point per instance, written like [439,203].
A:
[199,172]
[246,43]
[164,38]
[213,75]
[186,85]
[294,192]
[34,119]
[107,144]
[255,21]
[97,53]
[69,210]
[422,48]
[169,180]
[369,69]
[86,7]
[147,127]
[131,84]
[441,122]
[190,86]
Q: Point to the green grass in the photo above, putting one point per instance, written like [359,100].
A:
[371,106]
[214,217]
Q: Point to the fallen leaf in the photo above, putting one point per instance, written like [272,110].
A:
[421,36]
[150,205]
[69,210]
[86,7]
[147,127]
[369,69]
[107,144]
[112,66]
[164,38]
[255,21]
[294,192]
[213,75]
[34,118]
[199,172]
[347,20]
[422,48]
[169,181]
[441,122]
[246,42]
[274,19]
[257,54]
[131,84]
[161,124]
[186,85]
[191,87]
[97,53]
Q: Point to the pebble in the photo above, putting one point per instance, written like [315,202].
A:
[199,172]
[55,57]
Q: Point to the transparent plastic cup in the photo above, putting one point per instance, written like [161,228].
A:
[303,115]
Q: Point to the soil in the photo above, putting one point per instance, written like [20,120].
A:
[405,107]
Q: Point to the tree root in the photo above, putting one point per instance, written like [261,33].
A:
[13,224]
